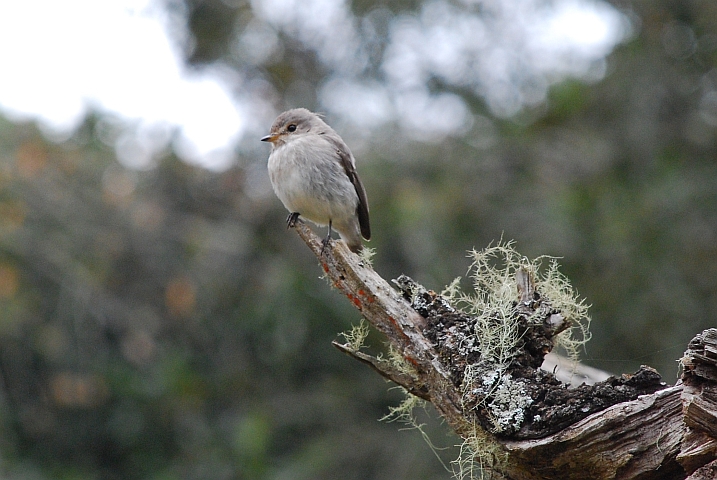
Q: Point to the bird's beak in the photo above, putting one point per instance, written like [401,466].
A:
[270,138]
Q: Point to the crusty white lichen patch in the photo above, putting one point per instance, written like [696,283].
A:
[509,404]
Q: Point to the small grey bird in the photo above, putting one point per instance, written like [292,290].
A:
[314,175]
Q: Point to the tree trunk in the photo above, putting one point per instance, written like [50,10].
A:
[632,427]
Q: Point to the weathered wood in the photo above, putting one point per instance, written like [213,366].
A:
[536,404]
[708,472]
[636,439]
[666,434]
[393,316]
[699,402]
[388,370]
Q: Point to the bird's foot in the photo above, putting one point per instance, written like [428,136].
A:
[324,243]
[326,240]
[292,219]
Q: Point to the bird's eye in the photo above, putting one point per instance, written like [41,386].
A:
[291,128]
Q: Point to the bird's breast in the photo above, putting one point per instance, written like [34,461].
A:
[308,178]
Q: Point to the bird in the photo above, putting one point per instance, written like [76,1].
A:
[313,173]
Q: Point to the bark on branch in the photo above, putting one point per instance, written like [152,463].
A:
[631,427]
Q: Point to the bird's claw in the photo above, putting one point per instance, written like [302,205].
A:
[292,219]
[324,243]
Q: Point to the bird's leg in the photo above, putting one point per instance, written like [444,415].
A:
[326,240]
[292,219]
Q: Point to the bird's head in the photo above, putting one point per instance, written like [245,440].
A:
[292,124]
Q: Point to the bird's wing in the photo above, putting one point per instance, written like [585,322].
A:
[347,161]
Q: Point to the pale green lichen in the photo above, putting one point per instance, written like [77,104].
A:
[398,361]
[404,413]
[452,290]
[492,304]
[478,455]
[555,286]
[494,272]
[366,254]
[356,337]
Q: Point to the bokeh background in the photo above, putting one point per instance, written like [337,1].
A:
[157,321]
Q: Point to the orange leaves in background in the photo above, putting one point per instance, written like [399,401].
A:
[77,390]
[9,280]
[180,296]
[31,159]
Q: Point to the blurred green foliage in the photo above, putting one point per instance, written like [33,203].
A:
[163,324]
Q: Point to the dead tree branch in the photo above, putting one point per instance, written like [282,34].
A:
[631,427]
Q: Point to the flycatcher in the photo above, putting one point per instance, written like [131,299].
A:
[314,175]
